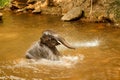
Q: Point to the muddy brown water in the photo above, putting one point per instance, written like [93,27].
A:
[96,57]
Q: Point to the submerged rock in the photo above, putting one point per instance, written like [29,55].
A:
[73,14]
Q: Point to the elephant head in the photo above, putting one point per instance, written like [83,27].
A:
[52,39]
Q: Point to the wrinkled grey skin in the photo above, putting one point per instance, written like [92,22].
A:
[46,47]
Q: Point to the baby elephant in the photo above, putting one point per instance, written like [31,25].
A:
[46,46]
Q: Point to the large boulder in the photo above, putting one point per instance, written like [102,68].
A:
[73,14]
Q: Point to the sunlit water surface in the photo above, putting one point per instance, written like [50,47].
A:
[96,57]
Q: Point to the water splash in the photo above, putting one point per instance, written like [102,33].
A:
[42,66]
[93,43]
[65,61]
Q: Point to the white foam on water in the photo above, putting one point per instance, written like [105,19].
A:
[41,66]
[65,61]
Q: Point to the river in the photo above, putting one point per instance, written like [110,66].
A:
[96,57]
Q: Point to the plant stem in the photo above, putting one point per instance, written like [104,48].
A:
[91,9]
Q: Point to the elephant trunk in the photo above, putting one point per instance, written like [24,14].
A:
[63,41]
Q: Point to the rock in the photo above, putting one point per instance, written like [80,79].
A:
[14,5]
[30,7]
[37,7]
[31,1]
[37,10]
[45,4]
[105,19]
[1,15]
[21,10]
[73,14]
[52,11]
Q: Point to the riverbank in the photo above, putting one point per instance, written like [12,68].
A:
[94,10]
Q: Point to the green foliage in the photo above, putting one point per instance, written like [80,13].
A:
[114,8]
[3,3]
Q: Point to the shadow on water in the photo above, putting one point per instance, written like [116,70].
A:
[97,54]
